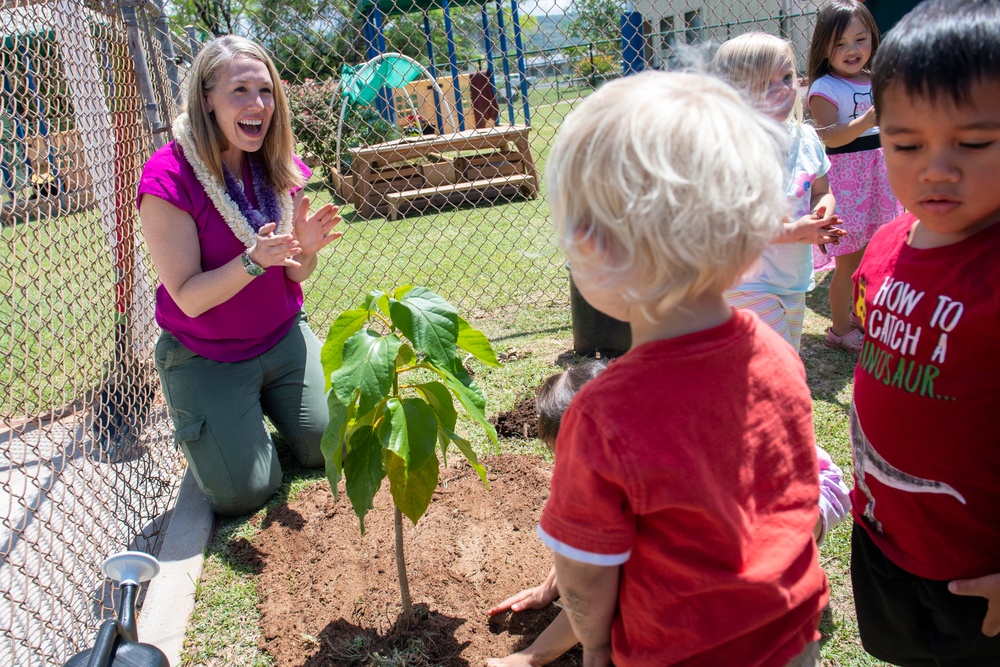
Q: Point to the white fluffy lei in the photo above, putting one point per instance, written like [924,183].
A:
[217,191]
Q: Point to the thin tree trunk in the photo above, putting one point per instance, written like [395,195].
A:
[404,584]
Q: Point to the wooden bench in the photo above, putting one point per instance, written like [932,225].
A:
[369,164]
[525,183]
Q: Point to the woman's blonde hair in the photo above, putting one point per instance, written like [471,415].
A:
[276,153]
[666,186]
[747,62]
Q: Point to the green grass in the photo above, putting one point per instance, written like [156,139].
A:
[533,339]
[57,306]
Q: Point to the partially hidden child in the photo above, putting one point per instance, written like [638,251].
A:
[844,41]
[683,499]
[762,67]
[925,558]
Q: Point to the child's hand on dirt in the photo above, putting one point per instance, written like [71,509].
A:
[985,587]
[514,660]
[530,598]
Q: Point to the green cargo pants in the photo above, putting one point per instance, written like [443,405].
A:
[218,411]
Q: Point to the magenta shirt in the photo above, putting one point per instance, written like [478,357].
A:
[257,317]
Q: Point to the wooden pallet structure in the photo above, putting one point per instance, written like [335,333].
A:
[438,170]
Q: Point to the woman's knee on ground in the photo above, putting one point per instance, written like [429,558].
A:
[242,499]
[306,446]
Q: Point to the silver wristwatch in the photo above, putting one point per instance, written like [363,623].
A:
[252,267]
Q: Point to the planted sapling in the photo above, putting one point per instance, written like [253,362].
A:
[394,366]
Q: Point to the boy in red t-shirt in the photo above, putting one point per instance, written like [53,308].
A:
[685,490]
[925,562]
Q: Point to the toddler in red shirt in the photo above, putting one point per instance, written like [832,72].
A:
[684,495]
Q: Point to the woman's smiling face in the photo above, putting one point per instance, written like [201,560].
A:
[242,102]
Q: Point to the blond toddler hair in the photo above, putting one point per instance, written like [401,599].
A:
[666,186]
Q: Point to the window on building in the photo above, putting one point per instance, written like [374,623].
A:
[667,36]
[692,27]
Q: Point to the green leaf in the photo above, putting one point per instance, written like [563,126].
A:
[377,299]
[363,470]
[414,431]
[460,373]
[443,441]
[369,365]
[465,447]
[401,291]
[411,490]
[471,399]
[332,443]
[406,357]
[429,321]
[476,343]
[439,398]
[345,326]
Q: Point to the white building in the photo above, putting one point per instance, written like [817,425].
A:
[670,25]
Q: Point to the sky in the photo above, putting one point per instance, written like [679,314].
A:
[542,7]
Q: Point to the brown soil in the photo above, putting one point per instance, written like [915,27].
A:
[521,422]
[331,597]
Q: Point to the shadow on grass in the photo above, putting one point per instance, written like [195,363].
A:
[818,300]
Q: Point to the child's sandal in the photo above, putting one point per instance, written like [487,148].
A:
[850,341]
[856,321]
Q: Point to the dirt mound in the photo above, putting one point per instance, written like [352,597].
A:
[521,422]
[331,597]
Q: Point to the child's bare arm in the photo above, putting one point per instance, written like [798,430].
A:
[590,594]
[552,643]
[820,226]
[985,587]
[530,598]
[833,133]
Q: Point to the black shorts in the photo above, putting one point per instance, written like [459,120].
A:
[915,622]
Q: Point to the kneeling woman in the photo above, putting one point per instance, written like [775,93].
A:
[232,239]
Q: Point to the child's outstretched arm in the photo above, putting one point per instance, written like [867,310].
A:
[590,594]
[530,598]
[834,134]
[820,226]
[552,643]
[985,587]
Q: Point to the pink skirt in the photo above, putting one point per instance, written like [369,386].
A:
[864,202]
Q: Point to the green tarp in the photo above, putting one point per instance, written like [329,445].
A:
[360,85]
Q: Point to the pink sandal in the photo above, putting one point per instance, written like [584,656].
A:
[856,321]
[850,341]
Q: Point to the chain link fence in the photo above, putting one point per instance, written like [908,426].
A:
[429,121]
[89,466]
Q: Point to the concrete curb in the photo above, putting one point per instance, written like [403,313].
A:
[169,598]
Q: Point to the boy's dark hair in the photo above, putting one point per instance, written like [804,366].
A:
[832,20]
[553,396]
[942,47]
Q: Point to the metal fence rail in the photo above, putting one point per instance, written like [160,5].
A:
[89,90]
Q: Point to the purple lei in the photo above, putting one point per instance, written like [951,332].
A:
[270,207]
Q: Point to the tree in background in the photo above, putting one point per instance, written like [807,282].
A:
[597,25]
[215,17]
[308,39]
[597,22]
